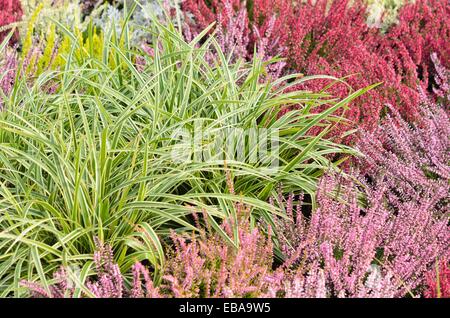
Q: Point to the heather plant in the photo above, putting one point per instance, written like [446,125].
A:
[37,55]
[347,248]
[321,46]
[95,157]
[236,35]
[413,158]
[334,38]
[356,245]
[8,67]
[398,229]
[423,29]
[209,267]
[442,81]
[109,281]
[198,265]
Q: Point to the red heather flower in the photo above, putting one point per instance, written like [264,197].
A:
[336,40]
[235,34]
[438,281]
[10,12]
[199,13]
[423,28]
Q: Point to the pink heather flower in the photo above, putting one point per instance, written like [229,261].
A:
[8,69]
[377,250]
[209,267]
[442,79]
[411,160]
[311,285]
[150,290]
[36,289]
[110,281]
[60,289]
[232,31]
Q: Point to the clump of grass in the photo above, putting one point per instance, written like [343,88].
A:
[94,158]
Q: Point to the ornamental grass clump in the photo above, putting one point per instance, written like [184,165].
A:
[107,152]
[203,265]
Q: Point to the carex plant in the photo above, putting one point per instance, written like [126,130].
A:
[87,149]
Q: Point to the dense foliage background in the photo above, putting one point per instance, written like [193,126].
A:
[93,95]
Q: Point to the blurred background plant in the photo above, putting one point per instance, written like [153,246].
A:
[383,13]
[113,15]
[10,13]
[67,12]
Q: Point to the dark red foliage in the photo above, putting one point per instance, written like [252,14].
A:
[423,29]
[439,287]
[336,41]
[10,12]
[203,14]
[319,37]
